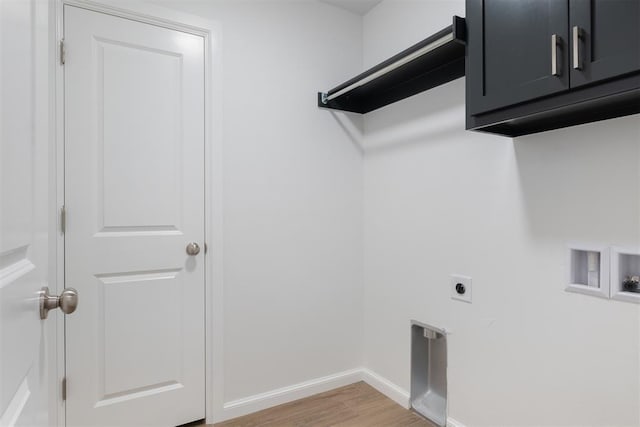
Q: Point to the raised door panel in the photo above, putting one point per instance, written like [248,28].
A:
[511,51]
[605,39]
[140,136]
[157,357]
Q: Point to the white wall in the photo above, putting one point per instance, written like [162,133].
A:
[292,194]
[441,200]
[437,200]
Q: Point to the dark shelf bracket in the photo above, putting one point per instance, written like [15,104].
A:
[436,60]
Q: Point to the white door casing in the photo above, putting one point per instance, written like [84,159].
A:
[134,196]
[24,126]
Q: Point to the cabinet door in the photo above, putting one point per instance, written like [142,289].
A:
[512,49]
[605,39]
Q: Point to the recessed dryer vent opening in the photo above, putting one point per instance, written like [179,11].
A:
[429,372]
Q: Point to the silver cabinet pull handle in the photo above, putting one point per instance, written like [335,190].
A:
[67,301]
[555,41]
[577,35]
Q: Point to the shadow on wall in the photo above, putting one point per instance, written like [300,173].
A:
[583,180]
[352,125]
[427,117]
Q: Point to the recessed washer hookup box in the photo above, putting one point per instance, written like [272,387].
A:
[429,372]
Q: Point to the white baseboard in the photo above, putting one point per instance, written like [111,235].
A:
[386,387]
[258,402]
[453,423]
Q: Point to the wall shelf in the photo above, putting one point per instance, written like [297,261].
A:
[432,62]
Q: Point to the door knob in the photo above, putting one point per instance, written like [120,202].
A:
[67,301]
[193,249]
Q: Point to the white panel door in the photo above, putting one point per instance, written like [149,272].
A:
[23,213]
[134,196]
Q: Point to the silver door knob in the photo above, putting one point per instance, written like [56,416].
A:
[193,249]
[67,301]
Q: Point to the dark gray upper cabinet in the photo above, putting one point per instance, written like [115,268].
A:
[536,65]
[605,39]
[514,44]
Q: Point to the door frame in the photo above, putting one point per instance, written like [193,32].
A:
[212,35]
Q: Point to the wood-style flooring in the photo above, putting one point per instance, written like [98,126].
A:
[356,405]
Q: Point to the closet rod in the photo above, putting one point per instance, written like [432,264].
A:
[332,94]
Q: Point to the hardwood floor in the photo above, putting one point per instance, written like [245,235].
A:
[356,405]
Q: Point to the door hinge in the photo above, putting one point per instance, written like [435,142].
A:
[64,388]
[63,219]
[63,52]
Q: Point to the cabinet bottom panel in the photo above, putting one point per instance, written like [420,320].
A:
[612,99]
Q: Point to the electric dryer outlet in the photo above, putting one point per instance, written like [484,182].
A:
[461,288]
